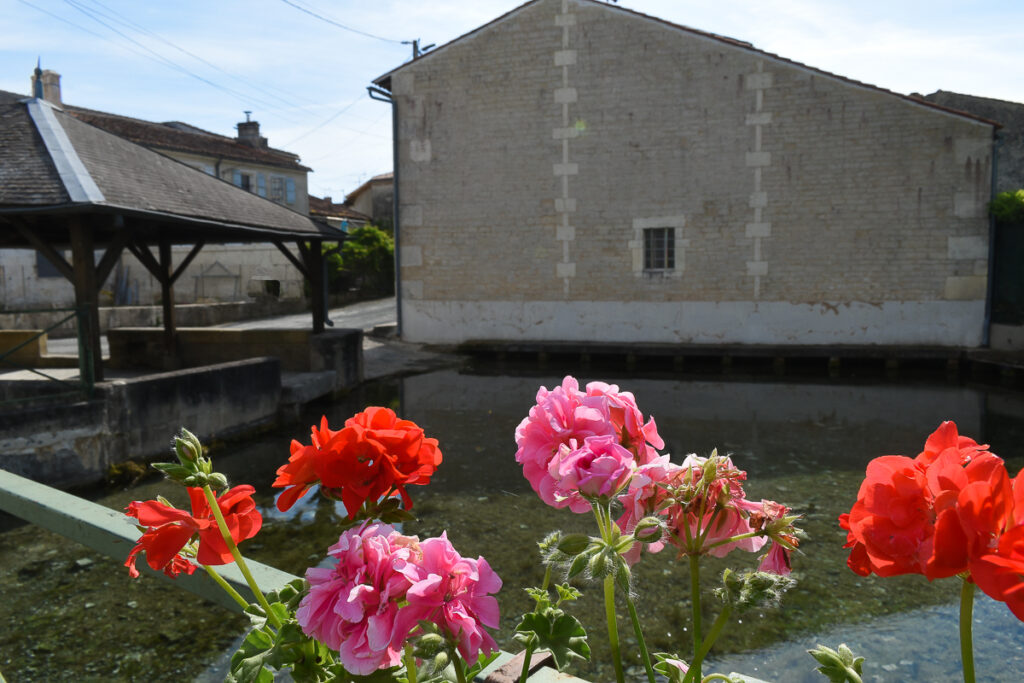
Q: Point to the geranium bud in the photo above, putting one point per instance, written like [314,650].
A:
[624,577]
[187,447]
[578,565]
[441,660]
[427,645]
[217,481]
[598,564]
[573,544]
[648,530]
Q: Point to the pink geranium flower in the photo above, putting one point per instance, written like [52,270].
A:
[599,468]
[563,416]
[453,592]
[566,417]
[353,607]
[633,434]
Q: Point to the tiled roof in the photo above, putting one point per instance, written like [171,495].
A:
[325,207]
[182,137]
[354,194]
[26,174]
[126,178]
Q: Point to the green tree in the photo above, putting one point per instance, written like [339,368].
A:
[368,257]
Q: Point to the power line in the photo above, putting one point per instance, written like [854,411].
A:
[321,125]
[339,25]
[111,14]
[162,59]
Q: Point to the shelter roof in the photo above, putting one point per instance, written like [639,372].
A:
[53,163]
[182,137]
[384,81]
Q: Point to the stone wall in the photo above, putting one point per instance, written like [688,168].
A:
[806,208]
[1010,115]
[74,444]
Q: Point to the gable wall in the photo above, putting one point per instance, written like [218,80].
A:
[806,209]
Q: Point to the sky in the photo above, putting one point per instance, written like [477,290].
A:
[302,66]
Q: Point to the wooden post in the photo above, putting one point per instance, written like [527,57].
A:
[317,285]
[167,296]
[84,270]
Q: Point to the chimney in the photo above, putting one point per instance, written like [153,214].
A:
[249,133]
[51,85]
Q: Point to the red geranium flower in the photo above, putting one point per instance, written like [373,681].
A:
[170,529]
[951,510]
[1001,573]
[375,455]
[891,519]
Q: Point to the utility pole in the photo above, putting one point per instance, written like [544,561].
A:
[417,51]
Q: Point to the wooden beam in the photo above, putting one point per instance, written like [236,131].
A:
[45,249]
[146,258]
[314,256]
[188,259]
[110,257]
[291,257]
[83,263]
[167,296]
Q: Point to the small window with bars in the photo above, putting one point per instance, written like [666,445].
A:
[659,249]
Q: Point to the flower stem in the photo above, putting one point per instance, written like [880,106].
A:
[695,603]
[640,639]
[716,630]
[460,669]
[547,578]
[966,640]
[613,632]
[228,588]
[239,560]
[525,673]
[410,663]
[732,539]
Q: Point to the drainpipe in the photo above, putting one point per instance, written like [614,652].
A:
[986,334]
[384,96]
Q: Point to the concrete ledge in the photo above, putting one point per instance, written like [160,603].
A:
[74,444]
[339,351]
[30,345]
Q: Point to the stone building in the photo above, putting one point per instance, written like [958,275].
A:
[375,198]
[577,171]
[1010,144]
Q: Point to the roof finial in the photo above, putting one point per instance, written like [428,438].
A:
[37,83]
[247,112]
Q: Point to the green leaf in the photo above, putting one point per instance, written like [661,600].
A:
[567,593]
[562,635]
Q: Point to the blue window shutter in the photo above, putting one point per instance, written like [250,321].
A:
[290,189]
[261,185]
[236,178]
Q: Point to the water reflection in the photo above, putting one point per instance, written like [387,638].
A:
[803,443]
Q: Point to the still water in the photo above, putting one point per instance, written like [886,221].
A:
[802,443]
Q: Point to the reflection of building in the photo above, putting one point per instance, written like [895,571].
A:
[577,171]
[246,161]
[375,198]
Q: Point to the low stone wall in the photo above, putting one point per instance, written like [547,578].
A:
[32,345]
[298,350]
[74,444]
[189,315]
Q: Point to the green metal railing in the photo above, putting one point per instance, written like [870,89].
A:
[111,533]
[83,387]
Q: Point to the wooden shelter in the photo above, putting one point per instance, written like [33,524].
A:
[65,184]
